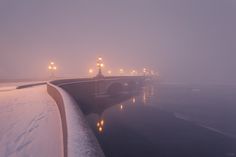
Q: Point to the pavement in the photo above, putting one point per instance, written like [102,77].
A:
[30,123]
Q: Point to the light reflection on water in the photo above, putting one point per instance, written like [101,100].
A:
[148,92]
[142,127]
[121,107]
[133,100]
[100,125]
[144,97]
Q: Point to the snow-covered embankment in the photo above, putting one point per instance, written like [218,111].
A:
[78,138]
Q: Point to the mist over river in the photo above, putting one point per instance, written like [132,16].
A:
[172,120]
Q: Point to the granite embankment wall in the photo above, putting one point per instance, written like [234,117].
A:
[78,138]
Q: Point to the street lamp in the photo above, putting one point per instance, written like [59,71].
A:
[134,72]
[52,68]
[90,71]
[121,71]
[109,72]
[144,71]
[100,65]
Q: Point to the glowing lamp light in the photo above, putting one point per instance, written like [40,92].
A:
[144,70]
[52,68]
[100,129]
[121,71]
[102,122]
[133,100]
[121,107]
[90,71]
[100,65]
[100,58]
[109,72]
[100,125]
[144,98]
[134,72]
[100,62]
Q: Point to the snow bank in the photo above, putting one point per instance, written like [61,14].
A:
[78,138]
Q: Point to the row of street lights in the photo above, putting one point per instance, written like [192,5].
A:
[122,72]
[100,65]
[52,68]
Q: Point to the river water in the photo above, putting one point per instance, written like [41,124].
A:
[170,120]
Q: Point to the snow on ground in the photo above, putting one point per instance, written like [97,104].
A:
[8,86]
[30,124]
[11,86]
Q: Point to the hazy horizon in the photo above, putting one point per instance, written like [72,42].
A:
[186,41]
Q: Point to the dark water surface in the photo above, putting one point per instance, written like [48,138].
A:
[170,121]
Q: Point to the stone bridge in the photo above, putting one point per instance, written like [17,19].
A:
[94,95]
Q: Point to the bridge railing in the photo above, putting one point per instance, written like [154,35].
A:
[78,138]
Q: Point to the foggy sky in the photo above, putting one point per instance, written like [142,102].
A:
[189,41]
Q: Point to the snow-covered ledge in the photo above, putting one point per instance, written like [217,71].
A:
[78,138]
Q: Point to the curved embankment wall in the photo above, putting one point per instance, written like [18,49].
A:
[78,138]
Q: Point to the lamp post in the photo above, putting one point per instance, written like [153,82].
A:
[100,65]
[121,71]
[90,71]
[52,68]
[133,72]
[144,71]
[109,72]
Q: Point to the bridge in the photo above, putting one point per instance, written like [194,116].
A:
[90,95]
[96,94]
